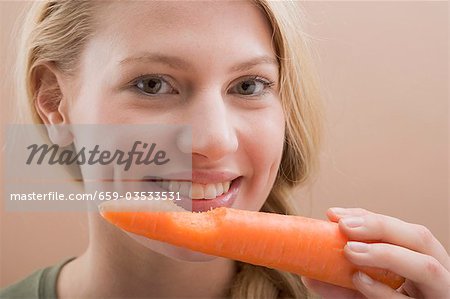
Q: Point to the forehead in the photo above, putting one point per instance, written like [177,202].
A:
[210,30]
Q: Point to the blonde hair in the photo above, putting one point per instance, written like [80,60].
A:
[56,32]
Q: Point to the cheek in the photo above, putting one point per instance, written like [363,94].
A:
[93,106]
[263,145]
[271,135]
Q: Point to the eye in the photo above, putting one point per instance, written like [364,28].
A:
[154,85]
[253,86]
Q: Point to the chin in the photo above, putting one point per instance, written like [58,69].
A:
[172,251]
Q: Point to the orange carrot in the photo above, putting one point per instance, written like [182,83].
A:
[304,246]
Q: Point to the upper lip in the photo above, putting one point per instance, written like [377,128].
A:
[198,176]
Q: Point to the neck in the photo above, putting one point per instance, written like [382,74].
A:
[112,257]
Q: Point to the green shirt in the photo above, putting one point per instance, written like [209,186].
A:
[41,284]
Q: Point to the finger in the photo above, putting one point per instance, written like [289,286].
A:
[336,213]
[376,227]
[430,276]
[330,291]
[373,289]
[409,288]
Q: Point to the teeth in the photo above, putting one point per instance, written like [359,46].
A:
[184,189]
[174,186]
[210,191]
[197,191]
[194,190]
[219,188]
[226,187]
[165,185]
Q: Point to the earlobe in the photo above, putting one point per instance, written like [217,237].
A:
[58,132]
[48,102]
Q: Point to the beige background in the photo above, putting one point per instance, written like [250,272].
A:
[384,68]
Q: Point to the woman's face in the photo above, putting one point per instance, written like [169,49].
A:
[210,65]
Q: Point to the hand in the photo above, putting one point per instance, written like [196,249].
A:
[413,252]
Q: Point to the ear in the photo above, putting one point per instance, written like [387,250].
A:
[51,103]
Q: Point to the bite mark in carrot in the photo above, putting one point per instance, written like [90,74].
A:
[308,247]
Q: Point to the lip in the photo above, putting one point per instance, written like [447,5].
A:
[198,176]
[203,205]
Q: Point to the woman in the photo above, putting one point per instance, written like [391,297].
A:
[239,73]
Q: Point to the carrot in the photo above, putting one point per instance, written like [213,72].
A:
[308,247]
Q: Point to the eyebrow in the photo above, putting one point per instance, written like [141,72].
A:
[254,62]
[179,63]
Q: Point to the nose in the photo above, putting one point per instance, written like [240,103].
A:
[213,128]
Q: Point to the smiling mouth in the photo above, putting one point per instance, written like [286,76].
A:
[196,197]
[192,190]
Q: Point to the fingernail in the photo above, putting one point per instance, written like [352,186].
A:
[358,246]
[352,221]
[338,211]
[364,278]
